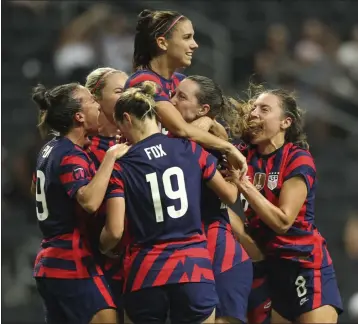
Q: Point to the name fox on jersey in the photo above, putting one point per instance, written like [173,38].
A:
[155,151]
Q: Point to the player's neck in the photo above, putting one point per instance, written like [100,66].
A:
[107,130]
[147,129]
[272,145]
[77,136]
[161,66]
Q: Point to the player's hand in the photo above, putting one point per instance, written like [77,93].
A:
[237,162]
[205,123]
[118,150]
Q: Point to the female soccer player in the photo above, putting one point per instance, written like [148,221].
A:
[164,42]
[158,186]
[69,281]
[279,196]
[198,96]
[106,85]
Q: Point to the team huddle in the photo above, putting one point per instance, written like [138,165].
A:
[133,195]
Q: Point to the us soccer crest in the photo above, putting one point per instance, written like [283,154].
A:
[272,180]
[259,180]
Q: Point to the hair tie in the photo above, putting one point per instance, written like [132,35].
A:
[172,25]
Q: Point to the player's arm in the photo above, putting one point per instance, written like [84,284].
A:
[226,191]
[298,180]
[91,196]
[208,124]
[113,229]
[172,120]
[245,239]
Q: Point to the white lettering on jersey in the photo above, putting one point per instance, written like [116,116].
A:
[155,151]
[46,151]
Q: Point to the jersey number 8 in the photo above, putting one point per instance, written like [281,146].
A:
[40,196]
[180,193]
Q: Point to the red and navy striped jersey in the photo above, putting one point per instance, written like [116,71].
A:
[302,242]
[166,88]
[160,179]
[224,249]
[112,267]
[62,169]
[98,148]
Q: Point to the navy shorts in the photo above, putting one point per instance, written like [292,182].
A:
[259,306]
[74,300]
[185,303]
[233,287]
[296,290]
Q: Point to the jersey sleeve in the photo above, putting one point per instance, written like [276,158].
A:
[116,184]
[300,164]
[75,172]
[138,78]
[206,161]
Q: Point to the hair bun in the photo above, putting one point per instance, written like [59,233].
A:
[149,88]
[145,13]
[40,97]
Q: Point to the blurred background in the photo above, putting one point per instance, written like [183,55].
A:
[309,47]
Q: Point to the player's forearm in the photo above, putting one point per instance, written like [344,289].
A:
[109,239]
[245,240]
[91,196]
[219,130]
[271,215]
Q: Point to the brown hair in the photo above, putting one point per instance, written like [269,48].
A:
[57,108]
[295,133]
[150,26]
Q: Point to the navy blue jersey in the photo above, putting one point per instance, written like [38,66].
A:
[62,169]
[165,87]
[302,242]
[160,179]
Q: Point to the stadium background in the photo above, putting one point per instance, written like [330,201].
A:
[311,47]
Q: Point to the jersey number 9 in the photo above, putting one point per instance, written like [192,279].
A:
[42,213]
[180,193]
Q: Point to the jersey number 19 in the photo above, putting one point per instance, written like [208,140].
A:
[180,193]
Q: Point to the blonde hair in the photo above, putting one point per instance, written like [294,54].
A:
[138,101]
[96,80]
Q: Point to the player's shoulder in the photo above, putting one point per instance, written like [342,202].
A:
[295,151]
[178,76]
[242,146]
[140,76]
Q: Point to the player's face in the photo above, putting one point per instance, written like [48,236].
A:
[181,45]
[110,93]
[90,109]
[185,100]
[267,111]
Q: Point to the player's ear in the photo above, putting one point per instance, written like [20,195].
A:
[127,118]
[162,43]
[286,123]
[79,117]
[203,110]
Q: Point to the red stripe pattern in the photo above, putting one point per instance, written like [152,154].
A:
[302,243]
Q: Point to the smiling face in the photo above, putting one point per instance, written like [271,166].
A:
[88,115]
[112,90]
[186,101]
[181,45]
[267,112]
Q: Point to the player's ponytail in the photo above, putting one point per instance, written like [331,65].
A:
[137,101]
[57,108]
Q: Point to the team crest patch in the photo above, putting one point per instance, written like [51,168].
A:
[259,180]
[79,174]
[272,180]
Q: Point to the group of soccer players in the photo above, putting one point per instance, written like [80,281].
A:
[137,228]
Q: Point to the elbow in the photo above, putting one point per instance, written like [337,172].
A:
[283,226]
[230,198]
[90,208]
[116,233]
